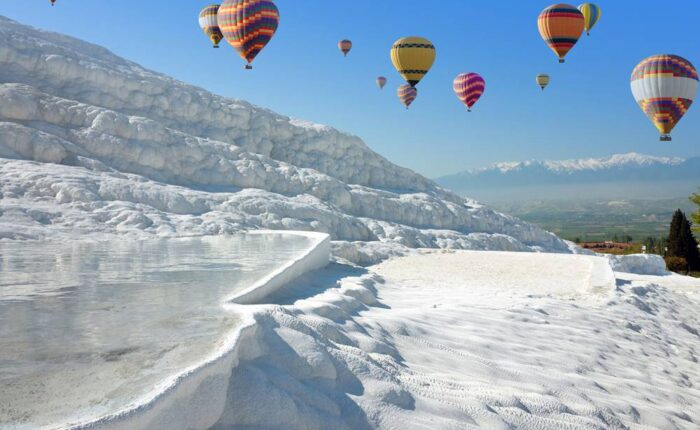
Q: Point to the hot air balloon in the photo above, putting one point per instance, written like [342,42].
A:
[665,87]
[381,81]
[407,94]
[591,15]
[209,23]
[542,80]
[561,26]
[248,25]
[469,88]
[345,46]
[413,57]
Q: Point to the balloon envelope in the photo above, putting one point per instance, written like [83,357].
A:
[210,24]
[413,57]
[665,86]
[560,26]
[248,25]
[381,82]
[345,46]
[469,88]
[591,15]
[542,80]
[407,94]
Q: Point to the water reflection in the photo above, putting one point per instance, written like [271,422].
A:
[92,325]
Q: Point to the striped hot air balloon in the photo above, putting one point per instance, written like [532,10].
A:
[469,88]
[407,94]
[561,26]
[381,81]
[345,46]
[665,87]
[413,57]
[542,80]
[210,24]
[591,15]
[248,25]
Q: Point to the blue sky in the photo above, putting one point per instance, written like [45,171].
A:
[588,109]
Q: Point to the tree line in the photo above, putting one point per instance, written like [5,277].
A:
[681,248]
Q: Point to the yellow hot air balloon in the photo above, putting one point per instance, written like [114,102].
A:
[542,80]
[591,15]
[413,57]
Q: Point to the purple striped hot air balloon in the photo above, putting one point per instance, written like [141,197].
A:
[381,82]
[407,94]
[469,87]
[248,25]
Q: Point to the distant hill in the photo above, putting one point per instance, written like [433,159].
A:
[618,176]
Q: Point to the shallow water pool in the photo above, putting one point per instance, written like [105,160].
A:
[88,328]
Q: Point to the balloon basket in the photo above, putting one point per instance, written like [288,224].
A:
[248,67]
[561,60]
[665,138]
[216,46]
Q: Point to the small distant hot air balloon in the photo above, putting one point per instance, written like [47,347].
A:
[542,80]
[345,46]
[665,87]
[413,57]
[591,15]
[248,25]
[210,24]
[469,88]
[407,94]
[381,81]
[561,26]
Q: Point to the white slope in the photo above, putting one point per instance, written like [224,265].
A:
[436,341]
[92,144]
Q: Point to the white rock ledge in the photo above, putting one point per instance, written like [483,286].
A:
[316,257]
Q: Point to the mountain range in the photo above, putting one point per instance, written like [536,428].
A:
[629,175]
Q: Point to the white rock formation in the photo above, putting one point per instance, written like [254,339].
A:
[93,144]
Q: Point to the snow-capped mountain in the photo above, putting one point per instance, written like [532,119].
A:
[94,144]
[622,170]
[617,161]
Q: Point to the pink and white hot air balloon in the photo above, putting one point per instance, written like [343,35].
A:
[407,94]
[469,88]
